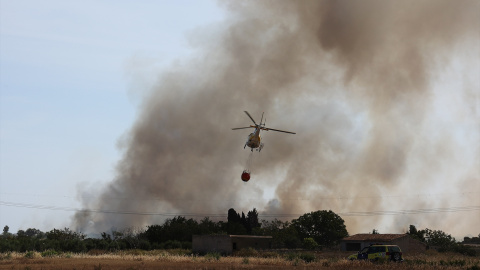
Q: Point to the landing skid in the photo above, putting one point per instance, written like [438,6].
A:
[260,147]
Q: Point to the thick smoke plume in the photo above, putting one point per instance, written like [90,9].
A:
[383,95]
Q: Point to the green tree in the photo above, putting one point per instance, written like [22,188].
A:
[233,216]
[176,229]
[65,240]
[207,226]
[5,231]
[419,235]
[325,227]
[283,233]
[65,234]
[154,234]
[132,238]
[252,220]
[439,238]
[236,224]
[34,233]
[236,228]
[180,228]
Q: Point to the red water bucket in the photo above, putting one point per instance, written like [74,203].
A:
[245,176]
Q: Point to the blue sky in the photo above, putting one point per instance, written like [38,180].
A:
[69,89]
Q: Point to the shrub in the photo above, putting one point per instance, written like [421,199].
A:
[172,244]
[291,256]
[212,256]
[416,262]
[144,244]
[292,242]
[179,252]
[465,250]
[307,257]
[474,267]
[269,254]
[309,243]
[247,252]
[49,253]
[30,255]
[7,256]
[453,263]
[96,252]
[186,245]
[135,252]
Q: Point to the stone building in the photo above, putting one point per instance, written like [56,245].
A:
[227,244]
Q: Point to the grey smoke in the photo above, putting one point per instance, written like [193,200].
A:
[361,84]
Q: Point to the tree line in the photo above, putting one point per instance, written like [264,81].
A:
[312,230]
[441,241]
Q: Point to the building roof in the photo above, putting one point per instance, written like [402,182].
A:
[249,236]
[373,237]
[230,236]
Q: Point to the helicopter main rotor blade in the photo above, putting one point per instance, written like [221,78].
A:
[267,129]
[251,118]
[241,128]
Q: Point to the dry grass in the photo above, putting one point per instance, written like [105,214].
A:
[181,259]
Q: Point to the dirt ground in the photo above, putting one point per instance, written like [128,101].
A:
[104,264]
[323,260]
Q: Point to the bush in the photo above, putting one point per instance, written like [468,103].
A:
[465,250]
[158,246]
[475,267]
[144,244]
[269,254]
[212,256]
[307,257]
[135,252]
[453,263]
[291,256]
[186,245]
[247,252]
[292,242]
[309,243]
[7,256]
[96,252]
[30,255]
[49,253]
[179,252]
[172,244]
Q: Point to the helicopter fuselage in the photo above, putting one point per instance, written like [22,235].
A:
[254,139]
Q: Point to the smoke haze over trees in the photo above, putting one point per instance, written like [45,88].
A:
[314,230]
[177,232]
[383,96]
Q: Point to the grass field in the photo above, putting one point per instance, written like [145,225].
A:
[249,259]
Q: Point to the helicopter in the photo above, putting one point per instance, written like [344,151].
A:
[254,140]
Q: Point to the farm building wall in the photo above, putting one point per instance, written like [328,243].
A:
[227,244]
[404,241]
[246,241]
[211,243]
